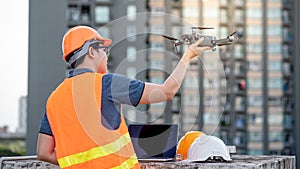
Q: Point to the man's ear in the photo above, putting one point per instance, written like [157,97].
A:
[91,52]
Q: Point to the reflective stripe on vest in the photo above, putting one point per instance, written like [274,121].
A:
[98,152]
[128,163]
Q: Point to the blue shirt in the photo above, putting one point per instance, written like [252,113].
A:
[116,89]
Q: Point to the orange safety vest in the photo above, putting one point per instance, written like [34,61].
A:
[73,111]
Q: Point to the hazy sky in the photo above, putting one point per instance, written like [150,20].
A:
[14,59]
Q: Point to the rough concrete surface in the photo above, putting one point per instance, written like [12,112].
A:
[238,162]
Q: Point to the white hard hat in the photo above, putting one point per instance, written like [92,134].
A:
[208,147]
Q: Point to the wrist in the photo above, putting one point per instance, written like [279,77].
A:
[186,58]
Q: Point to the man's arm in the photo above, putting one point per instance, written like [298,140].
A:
[46,149]
[154,93]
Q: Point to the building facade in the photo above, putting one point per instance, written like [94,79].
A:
[239,87]
[22,122]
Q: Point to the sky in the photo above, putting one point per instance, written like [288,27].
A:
[14,59]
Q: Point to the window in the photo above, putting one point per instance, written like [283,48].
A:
[191,82]
[223,2]
[240,103]
[209,13]
[176,31]
[157,45]
[239,2]
[255,119]
[254,30]
[254,13]
[102,14]
[131,72]
[190,100]
[274,30]
[274,65]
[73,14]
[287,121]
[211,118]
[274,101]
[211,101]
[254,83]
[238,51]
[157,64]
[275,119]
[176,103]
[157,80]
[240,121]
[85,14]
[157,9]
[157,28]
[254,65]
[190,12]
[285,16]
[210,83]
[287,70]
[239,68]
[255,136]
[104,32]
[285,51]
[274,48]
[255,101]
[131,12]
[225,120]
[131,53]
[131,33]
[239,138]
[239,16]
[223,32]
[275,136]
[287,35]
[275,83]
[255,152]
[223,16]
[254,48]
[274,13]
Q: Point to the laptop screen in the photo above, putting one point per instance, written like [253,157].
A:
[154,140]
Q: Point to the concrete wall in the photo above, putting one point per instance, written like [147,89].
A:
[47,24]
[240,162]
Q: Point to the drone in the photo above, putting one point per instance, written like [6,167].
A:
[210,41]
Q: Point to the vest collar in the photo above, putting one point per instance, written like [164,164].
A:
[74,72]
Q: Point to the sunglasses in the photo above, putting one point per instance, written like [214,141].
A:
[105,49]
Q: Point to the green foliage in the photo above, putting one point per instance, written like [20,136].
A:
[12,149]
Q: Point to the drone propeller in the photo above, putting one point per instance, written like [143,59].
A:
[169,37]
[221,44]
[201,28]
[232,34]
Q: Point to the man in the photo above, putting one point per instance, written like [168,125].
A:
[82,126]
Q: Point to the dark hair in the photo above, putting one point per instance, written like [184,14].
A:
[80,60]
[77,62]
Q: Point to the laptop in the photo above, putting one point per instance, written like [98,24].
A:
[154,142]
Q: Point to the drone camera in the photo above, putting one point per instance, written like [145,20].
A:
[208,40]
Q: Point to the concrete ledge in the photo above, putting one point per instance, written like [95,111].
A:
[238,162]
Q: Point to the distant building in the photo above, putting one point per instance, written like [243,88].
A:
[22,123]
[3,129]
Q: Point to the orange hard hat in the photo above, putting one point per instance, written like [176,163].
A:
[77,36]
[186,141]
